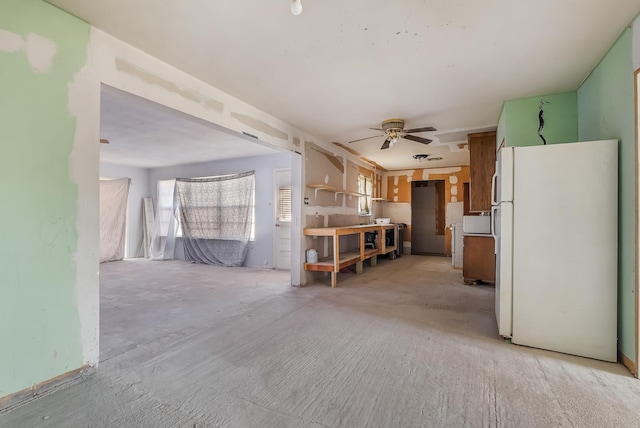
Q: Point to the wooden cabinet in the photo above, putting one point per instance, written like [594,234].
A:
[478,259]
[482,165]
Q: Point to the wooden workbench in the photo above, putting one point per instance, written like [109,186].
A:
[341,260]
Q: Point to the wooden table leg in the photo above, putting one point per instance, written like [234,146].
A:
[334,276]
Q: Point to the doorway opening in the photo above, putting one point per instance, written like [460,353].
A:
[428,217]
[147,144]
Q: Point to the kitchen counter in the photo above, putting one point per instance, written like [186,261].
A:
[341,260]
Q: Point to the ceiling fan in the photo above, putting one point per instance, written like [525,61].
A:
[394,130]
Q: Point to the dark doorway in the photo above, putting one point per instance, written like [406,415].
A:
[428,217]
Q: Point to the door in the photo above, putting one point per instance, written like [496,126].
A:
[282,204]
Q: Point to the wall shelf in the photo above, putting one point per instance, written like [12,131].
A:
[332,189]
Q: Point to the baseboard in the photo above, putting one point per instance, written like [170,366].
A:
[20,398]
[626,361]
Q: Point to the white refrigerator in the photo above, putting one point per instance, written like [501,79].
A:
[555,224]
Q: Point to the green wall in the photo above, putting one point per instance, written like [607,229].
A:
[606,111]
[39,321]
[518,123]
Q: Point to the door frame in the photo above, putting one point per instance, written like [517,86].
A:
[274,204]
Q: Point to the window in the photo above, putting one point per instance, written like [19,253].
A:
[364,187]
[165,205]
[284,204]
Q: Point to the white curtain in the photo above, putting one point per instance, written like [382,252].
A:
[216,215]
[113,215]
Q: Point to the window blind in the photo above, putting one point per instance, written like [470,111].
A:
[284,204]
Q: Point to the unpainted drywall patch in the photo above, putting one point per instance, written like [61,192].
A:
[259,125]
[134,70]
[11,42]
[336,161]
[40,50]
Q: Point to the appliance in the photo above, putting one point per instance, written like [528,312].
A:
[555,228]
[394,130]
[476,224]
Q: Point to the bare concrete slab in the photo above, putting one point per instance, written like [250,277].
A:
[404,344]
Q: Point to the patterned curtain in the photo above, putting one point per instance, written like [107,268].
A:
[216,215]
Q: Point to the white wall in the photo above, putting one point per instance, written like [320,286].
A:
[139,189]
[261,250]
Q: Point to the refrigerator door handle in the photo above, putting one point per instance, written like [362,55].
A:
[493,188]
[494,212]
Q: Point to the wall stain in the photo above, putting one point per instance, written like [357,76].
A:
[259,125]
[134,70]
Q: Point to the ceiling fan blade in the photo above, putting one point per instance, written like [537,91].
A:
[386,144]
[425,129]
[367,138]
[377,129]
[104,141]
[418,139]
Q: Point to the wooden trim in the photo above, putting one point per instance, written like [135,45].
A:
[364,159]
[29,392]
[626,361]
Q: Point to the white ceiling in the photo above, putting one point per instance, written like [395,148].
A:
[145,134]
[341,67]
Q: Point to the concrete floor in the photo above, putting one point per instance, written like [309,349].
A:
[404,344]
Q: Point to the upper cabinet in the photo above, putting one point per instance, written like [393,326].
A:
[482,165]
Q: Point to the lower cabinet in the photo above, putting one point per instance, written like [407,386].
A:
[479,260]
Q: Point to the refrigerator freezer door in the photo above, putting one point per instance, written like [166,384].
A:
[565,248]
[502,184]
[502,218]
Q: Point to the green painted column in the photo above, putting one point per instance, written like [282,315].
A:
[607,111]
[41,49]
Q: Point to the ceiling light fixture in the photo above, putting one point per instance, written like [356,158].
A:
[296,7]
[392,141]
[420,157]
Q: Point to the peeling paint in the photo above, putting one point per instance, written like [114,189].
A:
[259,125]
[453,179]
[454,191]
[134,70]
[40,50]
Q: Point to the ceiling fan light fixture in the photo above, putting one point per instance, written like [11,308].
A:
[393,124]
[421,156]
[296,7]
